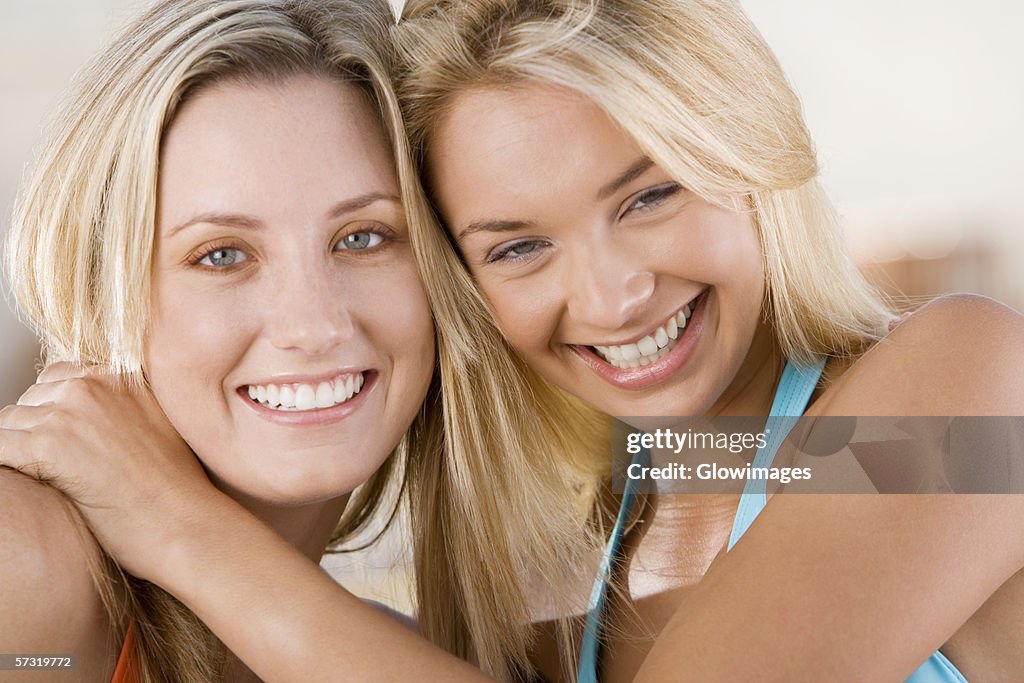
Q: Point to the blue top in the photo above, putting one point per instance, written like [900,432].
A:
[791,398]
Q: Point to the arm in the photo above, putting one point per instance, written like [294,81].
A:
[813,593]
[148,501]
[283,616]
[867,587]
[49,602]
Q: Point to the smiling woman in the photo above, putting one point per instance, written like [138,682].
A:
[634,191]
[267,251]
[632,251]
[282,266]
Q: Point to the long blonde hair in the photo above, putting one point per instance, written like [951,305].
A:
[693,82]
[79,250]
[696,86]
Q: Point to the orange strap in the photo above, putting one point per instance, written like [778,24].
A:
[125,671]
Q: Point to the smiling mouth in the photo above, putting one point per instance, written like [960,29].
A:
[302,397]
[654,346]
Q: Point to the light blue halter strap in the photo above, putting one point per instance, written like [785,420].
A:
[795,389]
[791,398]
[592,627]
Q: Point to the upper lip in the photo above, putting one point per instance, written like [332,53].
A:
[306,379]
[651,331]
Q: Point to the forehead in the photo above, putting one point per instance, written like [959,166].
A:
[531,138]
[239,145]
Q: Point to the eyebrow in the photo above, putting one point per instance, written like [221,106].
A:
[246,222]
[637,169]
[493,226]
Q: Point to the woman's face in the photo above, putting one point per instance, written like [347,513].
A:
[290,343]
[611,280]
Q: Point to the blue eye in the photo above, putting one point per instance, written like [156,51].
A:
[516,251]
[652,198]
[360,240]
[223,257]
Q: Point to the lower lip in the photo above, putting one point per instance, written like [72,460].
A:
[658,371]
[317,416]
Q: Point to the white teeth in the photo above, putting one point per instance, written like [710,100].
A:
[300,396]
[305,397]
[672,328]
[287,397]
[661,337]
[652,347]
[324,395]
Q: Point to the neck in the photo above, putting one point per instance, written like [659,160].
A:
[752,389]
[307,527]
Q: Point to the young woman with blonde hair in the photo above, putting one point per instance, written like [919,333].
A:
[633,192]
[218,221]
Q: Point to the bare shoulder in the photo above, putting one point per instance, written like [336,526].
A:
[50,603]
[959,354]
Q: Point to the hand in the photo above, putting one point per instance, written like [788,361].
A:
[111,450]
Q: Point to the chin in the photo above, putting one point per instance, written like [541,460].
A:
[292,486]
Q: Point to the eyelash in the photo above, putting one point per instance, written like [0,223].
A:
[646,201]
[502,253]
[383,232]
[196,258]
[653,197]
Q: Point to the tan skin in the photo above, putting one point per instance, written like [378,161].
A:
[810,593]
[514,172]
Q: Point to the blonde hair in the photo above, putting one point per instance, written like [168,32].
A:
[699,90]
[487,479]
[693,82]
[79,250]
[501,522]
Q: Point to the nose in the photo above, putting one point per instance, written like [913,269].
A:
[309,312]
[605,290]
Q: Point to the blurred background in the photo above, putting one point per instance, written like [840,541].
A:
[917,108]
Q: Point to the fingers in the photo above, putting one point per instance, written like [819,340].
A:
[69,388]
[22,417]
[62,371]
[16,453]
[37,395]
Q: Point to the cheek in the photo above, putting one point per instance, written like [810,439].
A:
[194,341]
[397,318]
[197,329]
[724,251]
[526,310]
